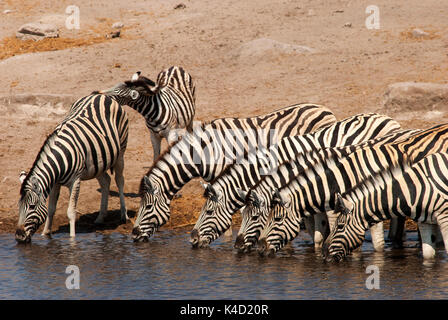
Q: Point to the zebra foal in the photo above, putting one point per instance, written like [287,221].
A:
[90,141]
[168,105]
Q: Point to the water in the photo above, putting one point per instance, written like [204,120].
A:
[113,267]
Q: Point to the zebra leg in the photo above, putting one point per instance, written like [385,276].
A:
[428,233]
[309,226]
[53,200]
[331,217]
[396,232]
[156,141]
[320,226]
[119,180]
[377,234]
[104,181]
[71,211]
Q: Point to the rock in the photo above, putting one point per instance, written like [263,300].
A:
[416,96]
[37,31]
[180,6]
[264,47]
[418,33]
[311,13]
[7,11]
[113,34]
[348,25]
[118,25]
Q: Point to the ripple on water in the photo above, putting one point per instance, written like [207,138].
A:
[113,267]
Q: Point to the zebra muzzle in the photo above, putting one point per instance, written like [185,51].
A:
[263,248]
[21,236]
[194,238]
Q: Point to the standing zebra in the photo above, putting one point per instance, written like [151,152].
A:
[227,193]
[90,141]
[313,191]
[209,149]
[259,200]
[419,192]
[167,106]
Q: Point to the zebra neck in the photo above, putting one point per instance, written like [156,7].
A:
[147,106]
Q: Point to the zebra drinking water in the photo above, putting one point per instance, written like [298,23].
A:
[418,191]
[90,141]
[209,149]
[313,190]
[168,105]
[227,193]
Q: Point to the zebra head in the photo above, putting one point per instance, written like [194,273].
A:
[154,210]
[134,92]
[32,208]
[214,218]
[347,233]
[254,218]
[282,226]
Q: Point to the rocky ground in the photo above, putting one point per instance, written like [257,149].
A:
[246,58]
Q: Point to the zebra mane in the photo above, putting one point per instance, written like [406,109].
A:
[378,179]
[48,140]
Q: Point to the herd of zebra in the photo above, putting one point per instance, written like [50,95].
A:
[294,168]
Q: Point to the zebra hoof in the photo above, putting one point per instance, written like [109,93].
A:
[99,221]
[47,235]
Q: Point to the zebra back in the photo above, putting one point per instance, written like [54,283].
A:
[418,191]
[210,148]
[216,214]
[314,190]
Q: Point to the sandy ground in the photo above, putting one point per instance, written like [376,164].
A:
[348,70]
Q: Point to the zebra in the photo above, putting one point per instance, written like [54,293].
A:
[168,105]
[418,191]
[91,140]
[313,190]
[259,199]
[209,149]
[226,194]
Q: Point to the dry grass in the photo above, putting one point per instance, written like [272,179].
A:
[11,46]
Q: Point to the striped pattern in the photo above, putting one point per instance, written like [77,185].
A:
[259,200]
[226,194]
[168,105]
[89,141]
[313,191]
[419,192]
[210,149]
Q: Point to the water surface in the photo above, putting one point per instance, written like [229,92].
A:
[113,267]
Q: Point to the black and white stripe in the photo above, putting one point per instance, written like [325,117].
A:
[313,190]
[259,199]
[210,149]
[168,105]
[227,193]
[90,141]
[419,192]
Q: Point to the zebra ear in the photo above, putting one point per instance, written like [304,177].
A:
[203,184]
[149,187]
[35,186]
[241,193]
[22,176]
[255,199]
[135,76]
[280,199]
[137,80]
[342,205]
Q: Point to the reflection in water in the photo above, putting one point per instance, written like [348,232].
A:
[113,267]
